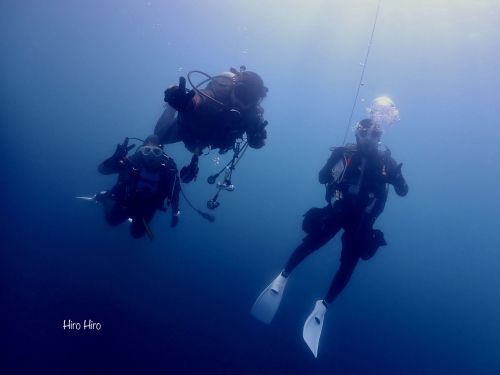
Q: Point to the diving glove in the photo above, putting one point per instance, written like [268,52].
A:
[177,97]
[256,138]
[190,172]
[121,151]
[394,176]
[175,219]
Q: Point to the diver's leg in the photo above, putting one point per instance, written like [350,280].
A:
[313,325]
[341,278]
[311,243]
[300,253]
[114,213]
[267,304]
[348,261]
[137,227]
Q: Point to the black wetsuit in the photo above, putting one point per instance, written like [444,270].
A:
[138,193]
[206,123]
[357,188]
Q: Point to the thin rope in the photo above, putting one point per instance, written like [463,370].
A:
[362,73]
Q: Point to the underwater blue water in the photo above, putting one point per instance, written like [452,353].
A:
[76,78]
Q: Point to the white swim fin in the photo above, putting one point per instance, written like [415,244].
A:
[268,302]
[90,199]
[313,327]
[96,198]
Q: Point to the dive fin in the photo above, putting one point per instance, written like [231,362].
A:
[268,302]
[313,327]
[96,198]
[90,199]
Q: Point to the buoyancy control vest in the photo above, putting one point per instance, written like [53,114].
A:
[358,181]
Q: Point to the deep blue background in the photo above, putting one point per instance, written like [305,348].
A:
[76,78]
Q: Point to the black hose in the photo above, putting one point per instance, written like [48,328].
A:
[203,214]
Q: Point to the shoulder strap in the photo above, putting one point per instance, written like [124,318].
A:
[350,149]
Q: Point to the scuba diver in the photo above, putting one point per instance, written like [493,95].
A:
[145,180]
[356,178]
[216,117]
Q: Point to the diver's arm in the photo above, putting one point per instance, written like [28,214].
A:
[401,188]
[395,177]
[175,197]
[258,139]
[325,174]
[110,166]
[255,125]
[174,201]
[177,96]
[115,163]
[166,127]
[174,194]
[258,135]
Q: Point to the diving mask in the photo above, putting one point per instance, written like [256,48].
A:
[373,132]
[368,135]
[150,151]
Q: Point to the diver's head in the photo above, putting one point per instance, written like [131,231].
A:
[249,90]
[368,135]
[152,151]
